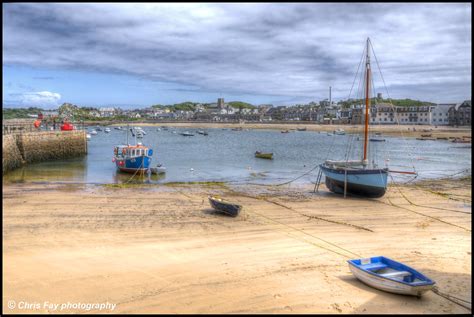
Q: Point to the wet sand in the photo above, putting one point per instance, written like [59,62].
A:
[403,131]
[161,249]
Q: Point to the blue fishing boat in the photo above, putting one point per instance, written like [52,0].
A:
[132,158]
[391,276]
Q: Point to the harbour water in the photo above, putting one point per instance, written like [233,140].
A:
[228,156]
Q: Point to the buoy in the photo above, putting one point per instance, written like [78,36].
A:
[192,169]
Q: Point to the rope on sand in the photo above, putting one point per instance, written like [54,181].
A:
[299,230]
[280,184]
[420,213]
[456,300]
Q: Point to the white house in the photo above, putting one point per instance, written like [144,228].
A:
[107,112]
[440,113]
[384,113]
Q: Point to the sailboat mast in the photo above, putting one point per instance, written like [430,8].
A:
[367,101]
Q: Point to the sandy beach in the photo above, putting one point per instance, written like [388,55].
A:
[162,249]
[405,131]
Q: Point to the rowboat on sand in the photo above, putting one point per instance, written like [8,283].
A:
[226,207]
[391,276]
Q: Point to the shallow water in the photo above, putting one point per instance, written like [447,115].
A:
[226,155]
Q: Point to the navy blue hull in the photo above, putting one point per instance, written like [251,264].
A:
[227,208]
[370,183]
[354,189]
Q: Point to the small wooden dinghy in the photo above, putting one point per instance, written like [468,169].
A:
[225,206]
[390,276]
[159,169]
[268,156]
[377,139]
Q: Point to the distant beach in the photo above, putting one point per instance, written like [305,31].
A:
[395,130]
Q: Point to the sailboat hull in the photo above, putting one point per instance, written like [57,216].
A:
[367,182]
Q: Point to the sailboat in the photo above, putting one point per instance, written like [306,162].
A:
[358,177]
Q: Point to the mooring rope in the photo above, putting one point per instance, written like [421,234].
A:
[456,300]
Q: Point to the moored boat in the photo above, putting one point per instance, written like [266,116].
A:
[285,131]
[377,139]
[159,169]
[187,133]
[202,132]
[93,132]
[355,178]
[226,207]
[132,158]
[107,130]
[360,177]
[88,136]
[339,132]
[391,276]
[268,156]
[459,140]
[301,129]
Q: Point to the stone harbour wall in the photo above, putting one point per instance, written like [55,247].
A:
[11,156]
[42,146]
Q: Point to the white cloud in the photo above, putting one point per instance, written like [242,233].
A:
[42,99]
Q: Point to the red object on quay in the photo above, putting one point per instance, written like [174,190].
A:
[67,127]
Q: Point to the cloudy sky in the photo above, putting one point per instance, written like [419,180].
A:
[143,54]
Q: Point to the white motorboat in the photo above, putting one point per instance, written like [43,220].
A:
[159,169]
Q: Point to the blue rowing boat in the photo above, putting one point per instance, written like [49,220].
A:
[391,276]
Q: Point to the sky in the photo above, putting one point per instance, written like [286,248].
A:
[139,54]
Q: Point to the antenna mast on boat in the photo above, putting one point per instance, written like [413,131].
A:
[367,102]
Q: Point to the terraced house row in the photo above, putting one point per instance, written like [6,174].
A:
[440,114]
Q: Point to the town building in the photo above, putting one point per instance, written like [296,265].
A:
[107,112]
[460,114]
[439,113]
[384,113]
